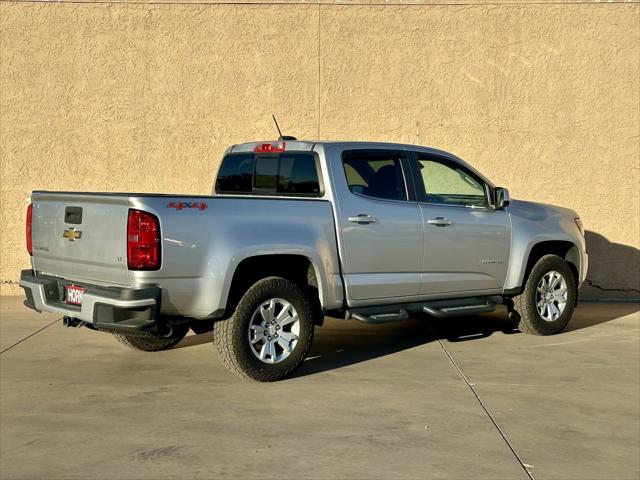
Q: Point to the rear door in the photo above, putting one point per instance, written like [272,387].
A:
[466,242]
[380,225]
[81,236]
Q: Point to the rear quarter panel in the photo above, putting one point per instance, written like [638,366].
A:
[202,246]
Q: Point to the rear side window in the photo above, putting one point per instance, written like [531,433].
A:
[269,174]
[375,173]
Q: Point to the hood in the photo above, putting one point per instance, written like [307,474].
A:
[538,212]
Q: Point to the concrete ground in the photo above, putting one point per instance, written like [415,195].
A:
[462,398]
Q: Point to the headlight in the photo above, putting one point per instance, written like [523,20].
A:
[580,226]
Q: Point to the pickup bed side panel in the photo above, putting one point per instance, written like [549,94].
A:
[203,245]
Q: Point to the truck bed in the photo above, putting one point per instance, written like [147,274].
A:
[202,239]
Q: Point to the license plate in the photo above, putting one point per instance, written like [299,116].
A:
[74,294]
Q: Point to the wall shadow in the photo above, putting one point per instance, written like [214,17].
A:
[614,270]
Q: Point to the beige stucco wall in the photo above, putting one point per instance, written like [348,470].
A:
[542,97]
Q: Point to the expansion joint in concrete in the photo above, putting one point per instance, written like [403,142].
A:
[29,336]
[471,386]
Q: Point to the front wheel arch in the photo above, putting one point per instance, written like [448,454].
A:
[566,250]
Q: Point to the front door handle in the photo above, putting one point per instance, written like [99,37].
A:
[362,218]
[439,222]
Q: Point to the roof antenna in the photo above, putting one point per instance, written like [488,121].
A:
[280,136]
[277,127]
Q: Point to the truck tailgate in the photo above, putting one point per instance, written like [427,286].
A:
[81,236]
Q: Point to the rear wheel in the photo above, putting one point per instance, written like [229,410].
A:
[270,332]
[153,343]
[548,299]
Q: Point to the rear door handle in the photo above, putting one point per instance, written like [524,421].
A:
[439,222]
[362,218]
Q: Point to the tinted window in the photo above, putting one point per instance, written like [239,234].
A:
[236,174]
[450,184]
[375,173]
[298,174]
[275,174]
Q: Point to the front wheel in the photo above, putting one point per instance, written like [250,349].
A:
[548,299]
[270,332]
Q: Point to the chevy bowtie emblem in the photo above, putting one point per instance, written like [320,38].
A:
[72,234]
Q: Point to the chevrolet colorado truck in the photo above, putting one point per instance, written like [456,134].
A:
[293,231]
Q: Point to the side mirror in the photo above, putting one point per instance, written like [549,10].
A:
[501,197]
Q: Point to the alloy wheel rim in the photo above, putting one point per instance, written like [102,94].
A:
[274,330]
[551,296]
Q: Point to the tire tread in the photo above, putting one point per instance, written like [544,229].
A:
[524,310]
[229,333]
[148,343]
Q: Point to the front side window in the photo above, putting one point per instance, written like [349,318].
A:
[269,174]
[375,173]
[446,183]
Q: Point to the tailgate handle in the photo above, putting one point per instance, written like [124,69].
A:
[73,215]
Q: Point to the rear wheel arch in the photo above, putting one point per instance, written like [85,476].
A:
[298,268]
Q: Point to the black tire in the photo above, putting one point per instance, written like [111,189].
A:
[524,311]
[150,343]
[231,336]
[200,327]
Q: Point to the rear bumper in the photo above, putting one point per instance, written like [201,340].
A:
[106,308]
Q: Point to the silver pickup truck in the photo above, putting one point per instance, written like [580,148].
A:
[294,231]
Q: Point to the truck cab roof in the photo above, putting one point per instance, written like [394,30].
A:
[309,145]
[279,146]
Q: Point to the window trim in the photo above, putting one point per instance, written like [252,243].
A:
[405,170]
[421,193]
[264,192]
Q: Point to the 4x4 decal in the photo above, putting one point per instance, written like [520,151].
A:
[182,205]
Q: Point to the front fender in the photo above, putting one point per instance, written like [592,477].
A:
[534,223]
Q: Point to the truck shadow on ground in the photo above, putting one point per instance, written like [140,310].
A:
[340,343]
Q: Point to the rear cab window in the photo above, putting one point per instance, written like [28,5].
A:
[276,174]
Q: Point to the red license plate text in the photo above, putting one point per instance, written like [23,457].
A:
[74,294]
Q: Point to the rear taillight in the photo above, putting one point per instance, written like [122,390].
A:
[28,231]
[143,241]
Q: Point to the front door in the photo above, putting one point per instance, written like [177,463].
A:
[379,224]
[466,241]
